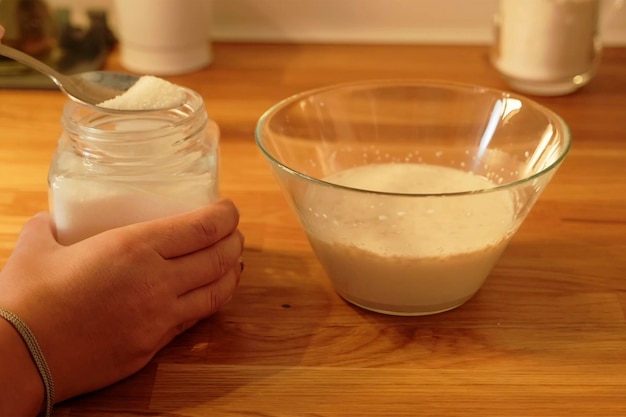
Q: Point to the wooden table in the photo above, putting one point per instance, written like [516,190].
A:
[546,336]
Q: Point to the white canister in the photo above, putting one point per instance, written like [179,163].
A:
[547,47]
[164,37]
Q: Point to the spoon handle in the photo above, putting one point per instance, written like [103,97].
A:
[31,62]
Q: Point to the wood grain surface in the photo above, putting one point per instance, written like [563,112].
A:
[546,335]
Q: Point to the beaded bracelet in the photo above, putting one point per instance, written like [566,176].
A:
[35,353]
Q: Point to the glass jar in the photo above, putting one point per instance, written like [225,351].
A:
[111,169]
[547,47]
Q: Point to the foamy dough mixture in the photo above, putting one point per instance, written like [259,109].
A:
[149,92]
[404,254]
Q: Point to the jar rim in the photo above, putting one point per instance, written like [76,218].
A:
[87,122]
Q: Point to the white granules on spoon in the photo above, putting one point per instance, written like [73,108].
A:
[148,93]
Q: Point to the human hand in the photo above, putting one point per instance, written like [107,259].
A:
[103,307]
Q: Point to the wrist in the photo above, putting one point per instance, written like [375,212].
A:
[21,387]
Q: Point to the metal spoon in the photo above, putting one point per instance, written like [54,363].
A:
[88,88]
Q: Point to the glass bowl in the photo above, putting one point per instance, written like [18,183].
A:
[410,190]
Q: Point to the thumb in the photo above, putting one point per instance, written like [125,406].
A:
[37,231]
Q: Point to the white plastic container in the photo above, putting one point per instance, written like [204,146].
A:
[114,169]
[547,47]
[164,37]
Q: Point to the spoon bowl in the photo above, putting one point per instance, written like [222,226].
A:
[88,88]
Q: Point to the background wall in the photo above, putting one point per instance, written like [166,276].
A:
[391,21]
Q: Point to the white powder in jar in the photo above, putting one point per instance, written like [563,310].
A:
[546,40]
[148,93]
[83,207]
